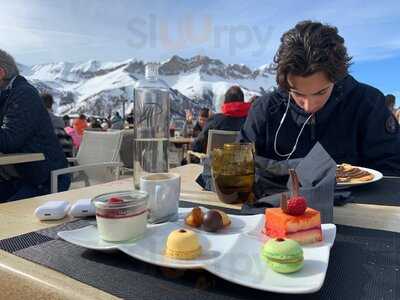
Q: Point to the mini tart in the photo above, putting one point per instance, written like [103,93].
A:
[183,244]
[195,217]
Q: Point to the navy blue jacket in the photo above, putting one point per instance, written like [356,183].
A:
[25,127]
[354,127]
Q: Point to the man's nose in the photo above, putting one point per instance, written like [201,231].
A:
[307,105]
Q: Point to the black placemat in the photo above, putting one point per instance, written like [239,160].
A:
[364,264]
[383,192]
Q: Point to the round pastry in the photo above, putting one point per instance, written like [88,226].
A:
[195,217]
[183,244]
[283,255]
[212,221]
[226,221]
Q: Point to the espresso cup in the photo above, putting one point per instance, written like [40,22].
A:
[163,190]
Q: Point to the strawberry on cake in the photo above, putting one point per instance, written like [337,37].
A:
[294,220]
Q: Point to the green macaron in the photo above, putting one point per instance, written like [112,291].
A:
[283,255]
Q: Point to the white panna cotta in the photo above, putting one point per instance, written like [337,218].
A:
[122,229]
[121,216]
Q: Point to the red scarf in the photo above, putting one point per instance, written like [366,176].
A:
[236,109]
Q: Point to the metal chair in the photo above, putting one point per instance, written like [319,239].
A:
[216,138]
[126,151]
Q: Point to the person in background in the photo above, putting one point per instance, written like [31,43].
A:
[188,127]
[130,118]
[67,121]
[80,124]
[172,128]
[96,124]
[117,122]
[390,101]
[201,121]
[317,100]
[234,113]
[26,127]
[76,138]
[104,125]
[58,123]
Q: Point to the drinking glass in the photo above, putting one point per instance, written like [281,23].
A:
[232,171]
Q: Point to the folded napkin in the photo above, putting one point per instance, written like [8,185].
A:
[317,176]
[316,173]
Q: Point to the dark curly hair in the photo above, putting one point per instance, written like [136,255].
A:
[308,48]
[47,100]
[234,94]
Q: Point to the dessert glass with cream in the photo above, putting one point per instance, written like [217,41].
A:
[121,216]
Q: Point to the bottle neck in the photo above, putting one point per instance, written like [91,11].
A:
[151,78]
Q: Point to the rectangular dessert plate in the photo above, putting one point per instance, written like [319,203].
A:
[232,254]
[243,265]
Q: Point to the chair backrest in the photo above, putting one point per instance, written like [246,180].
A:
[126,151]
[98,147]
[217,138]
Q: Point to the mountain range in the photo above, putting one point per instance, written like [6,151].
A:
[99,88]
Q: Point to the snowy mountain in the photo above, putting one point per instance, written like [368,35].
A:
[98,88]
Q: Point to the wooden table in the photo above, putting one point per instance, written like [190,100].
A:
[181,140]
[19,158]
[21,279]
[182,144]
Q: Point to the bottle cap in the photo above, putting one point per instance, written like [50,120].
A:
[151,70]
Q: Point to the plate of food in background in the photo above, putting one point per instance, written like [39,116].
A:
[348,175]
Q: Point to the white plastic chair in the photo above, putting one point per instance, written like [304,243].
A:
[97,154]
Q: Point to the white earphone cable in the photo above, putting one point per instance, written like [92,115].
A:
[288,155]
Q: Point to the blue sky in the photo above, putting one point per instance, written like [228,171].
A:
[41,31]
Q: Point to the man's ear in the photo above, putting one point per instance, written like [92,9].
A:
[2,73]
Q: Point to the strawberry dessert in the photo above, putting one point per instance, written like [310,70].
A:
[293,220]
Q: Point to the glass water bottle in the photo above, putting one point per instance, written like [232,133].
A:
[152,119]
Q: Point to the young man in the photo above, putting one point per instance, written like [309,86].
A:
[318,101]
[201,121]
[25,127]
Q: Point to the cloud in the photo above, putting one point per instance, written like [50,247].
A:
[70,30]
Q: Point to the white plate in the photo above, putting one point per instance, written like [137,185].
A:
[87,237]
[151,249]
[243,265]
[233,255]
[377,176]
